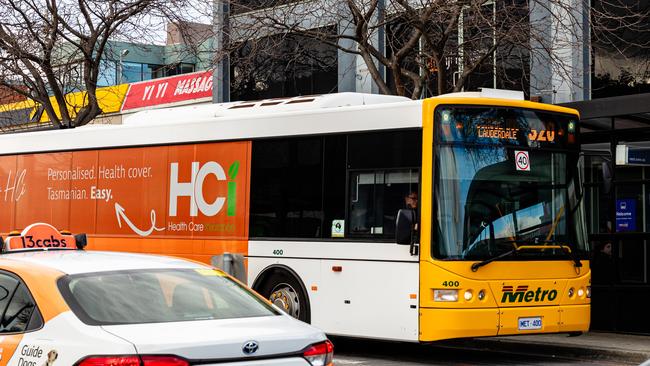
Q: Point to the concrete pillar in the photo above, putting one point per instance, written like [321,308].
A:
[221,73]
[353,72]
[347,62]
[560,57]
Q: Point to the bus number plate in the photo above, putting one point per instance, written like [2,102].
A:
[532,323]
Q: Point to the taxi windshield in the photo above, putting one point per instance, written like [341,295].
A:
[156,296]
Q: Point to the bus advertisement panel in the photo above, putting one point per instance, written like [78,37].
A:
[181,192]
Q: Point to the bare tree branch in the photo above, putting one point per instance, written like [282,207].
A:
[51,47]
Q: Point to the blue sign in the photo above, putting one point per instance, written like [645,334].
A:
[626,215]
[638,156]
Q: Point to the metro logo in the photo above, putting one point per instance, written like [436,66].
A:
[521,294]
[194,189]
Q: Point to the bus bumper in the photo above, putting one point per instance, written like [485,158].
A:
[437,324]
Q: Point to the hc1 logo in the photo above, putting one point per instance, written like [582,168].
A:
[194,189]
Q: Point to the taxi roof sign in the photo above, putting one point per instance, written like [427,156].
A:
[42,236]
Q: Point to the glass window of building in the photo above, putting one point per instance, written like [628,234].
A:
[621,57]
[244,6]
[107,74]
[150,71]
[131,72]
[180,68]
[283,66]
[134,71]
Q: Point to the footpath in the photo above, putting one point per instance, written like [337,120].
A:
[628,349]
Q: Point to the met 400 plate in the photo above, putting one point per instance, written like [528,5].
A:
[531,323]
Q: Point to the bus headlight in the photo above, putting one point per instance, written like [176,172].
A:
[581,292]
[481,295]
[589,292]
[571,291]
[468,295]
[445,295]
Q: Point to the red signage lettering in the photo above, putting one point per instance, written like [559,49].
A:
[169,90]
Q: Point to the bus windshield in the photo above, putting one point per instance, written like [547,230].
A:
[507,177]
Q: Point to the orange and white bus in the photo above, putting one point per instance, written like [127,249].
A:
[481,190]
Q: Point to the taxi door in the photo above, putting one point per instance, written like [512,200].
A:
[8,346]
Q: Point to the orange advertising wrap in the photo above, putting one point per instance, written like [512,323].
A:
[187,200]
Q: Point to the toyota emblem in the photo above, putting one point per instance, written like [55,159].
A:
[250,347]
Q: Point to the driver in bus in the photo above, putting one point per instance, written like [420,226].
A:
[411,202]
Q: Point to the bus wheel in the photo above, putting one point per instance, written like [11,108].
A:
[286,292]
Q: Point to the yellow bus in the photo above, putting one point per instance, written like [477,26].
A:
[366,215]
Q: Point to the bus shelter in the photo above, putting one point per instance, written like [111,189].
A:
[616,143]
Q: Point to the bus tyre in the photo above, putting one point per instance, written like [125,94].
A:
[286,292]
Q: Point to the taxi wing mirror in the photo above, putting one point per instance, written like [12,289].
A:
[404,226]
[81,241]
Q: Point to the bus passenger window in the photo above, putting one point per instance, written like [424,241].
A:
[287,188]
[376,196]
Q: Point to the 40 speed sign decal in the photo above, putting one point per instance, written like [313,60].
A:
[522,160]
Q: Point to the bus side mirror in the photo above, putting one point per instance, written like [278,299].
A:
[607,177]
[404,226]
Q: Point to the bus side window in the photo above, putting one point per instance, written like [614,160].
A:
[383,177]
[375,198]
[286,188]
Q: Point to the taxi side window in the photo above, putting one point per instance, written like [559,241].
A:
[8,285]
[18,309]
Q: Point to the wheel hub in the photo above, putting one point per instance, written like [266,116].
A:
[286,298]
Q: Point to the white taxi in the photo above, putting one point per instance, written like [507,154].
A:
[62,306]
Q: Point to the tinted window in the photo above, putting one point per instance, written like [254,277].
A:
[392,149]
[303,187]
[384,176]
[375,198]
[18,309]
[7,287]
[287,188]
[133,297]
[334,182]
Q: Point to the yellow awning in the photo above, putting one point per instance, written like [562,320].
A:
[110,100]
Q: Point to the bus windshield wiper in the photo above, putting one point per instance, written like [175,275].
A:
[477,265]
[564,247]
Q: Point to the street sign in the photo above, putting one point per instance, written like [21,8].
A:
[630,155]
[625,215]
